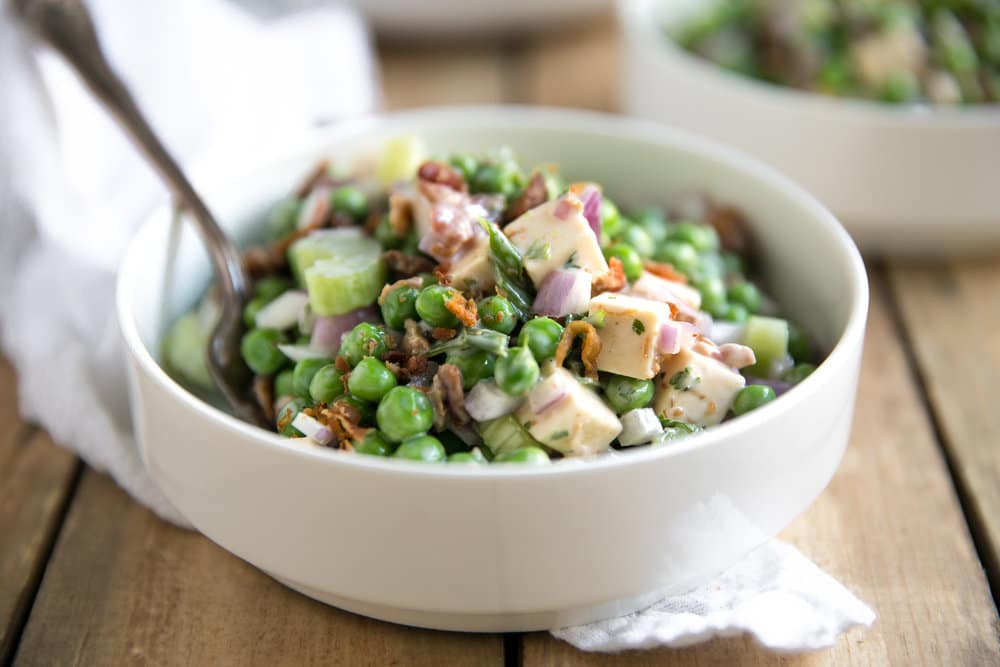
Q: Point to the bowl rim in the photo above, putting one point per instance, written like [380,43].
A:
[644,28]
[527,117]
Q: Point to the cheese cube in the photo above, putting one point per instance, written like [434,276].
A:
[473,270]
[696,389]
[652,286]
[563,414]
[629,333]
[548,241]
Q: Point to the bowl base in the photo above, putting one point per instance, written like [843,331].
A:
[475,622]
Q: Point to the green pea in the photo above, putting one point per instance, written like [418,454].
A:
[475,366]
[798,373]
[503,179]
[425,448]
[431,307]
[517,372]
[752,397]
[400,305]
[630,259]
[798,344]
[284,217]
[653,221]
[703,238]
[625,393]
[364,340]
[350,201]
[370,380]
[745,293]
[713,296]
[271,288]
[304,372]
[497,313]
[900,86]
[251,309]
[403,412]
[386,235]
[529,455]
[373,444]
[284,384]
[260,351]
[611,219]
[364,408]
[474,457]
[286,415]
[326,384]
[710,267]
[680,255]
[732,264]
[735,312]
[541,335]
[639,239]
[465,163]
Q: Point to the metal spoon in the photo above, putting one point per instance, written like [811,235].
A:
[66,26]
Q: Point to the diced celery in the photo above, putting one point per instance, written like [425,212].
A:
[184,349]
[341,269]
[505,434]
[401,156]
[768,338]
[327,244]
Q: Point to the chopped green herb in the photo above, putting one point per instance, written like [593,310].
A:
[684,380]
[673,430]
[559,435]
[638,328]
[540,250]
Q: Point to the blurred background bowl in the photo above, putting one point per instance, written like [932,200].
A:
[910,180]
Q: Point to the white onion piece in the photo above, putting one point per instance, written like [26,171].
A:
[284,312]
[564,292]
[728,332]
[328,330]
[299,352]
[316,206]
[639,427]
[487,401]
[312,429]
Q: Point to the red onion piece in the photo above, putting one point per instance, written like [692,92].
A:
[591,198]
[312,428]
[563,292]
[669,340]
[328,330]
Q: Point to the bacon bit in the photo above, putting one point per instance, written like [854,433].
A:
[372,222]
[732,228]
[341,363]
[447,394]
[441,273]
[442,333]
[321,170]
[665,271]
[464,309]
[407,265]
[263,392]
[590,350]
[413,281]
[444,174]
[612,281]
[414,342]
[259,262]
[342,418]
[400,213]
[535,194]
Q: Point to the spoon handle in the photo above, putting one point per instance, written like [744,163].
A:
[66,26]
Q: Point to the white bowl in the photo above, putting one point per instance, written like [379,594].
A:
[903,180]
[506,548]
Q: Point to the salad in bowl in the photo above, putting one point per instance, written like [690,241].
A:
[465,308]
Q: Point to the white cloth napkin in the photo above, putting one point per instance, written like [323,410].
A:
[211,76]
[775,594]
[219,84]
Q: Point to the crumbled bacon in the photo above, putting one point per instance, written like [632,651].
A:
[612,281]
[443,333]
[448,396]
[441,273]
[412,281]
[405,367]
[341,364]
[407,265]
[464,309]
[414,342]
[535,194]
[263,393]
[342,418]
[450,226]
[445,174]
[400,213]
[588,352]
[732,228]
[665,271]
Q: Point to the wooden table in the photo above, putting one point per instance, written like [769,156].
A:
[911,522]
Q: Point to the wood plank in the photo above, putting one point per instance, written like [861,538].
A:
[124,587]
[36,477]
[951,312]
[889,527]
[430,75]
